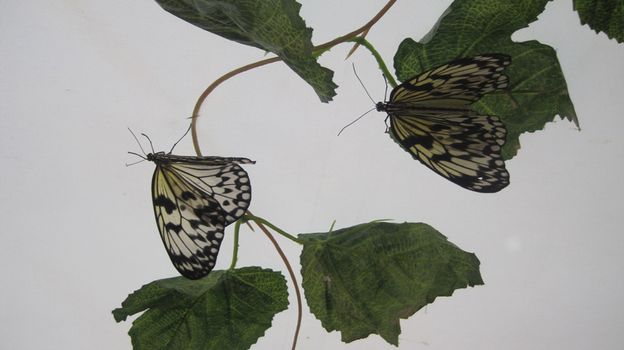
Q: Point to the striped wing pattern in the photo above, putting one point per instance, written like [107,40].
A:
[194,199]
[430,118]
[466,149]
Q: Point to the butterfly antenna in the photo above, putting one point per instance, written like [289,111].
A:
[185,133]
[360,80]
[358,118]
[150,141]
[137,162]
[139,143]
[386,91]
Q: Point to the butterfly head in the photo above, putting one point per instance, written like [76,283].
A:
[155,156]
[380,107]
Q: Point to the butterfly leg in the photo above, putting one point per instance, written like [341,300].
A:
[386,122]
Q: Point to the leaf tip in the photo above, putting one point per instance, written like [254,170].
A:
[119,315]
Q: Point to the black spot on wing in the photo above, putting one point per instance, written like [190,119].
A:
[170,226]
[412,140]
[439,127]
[200,254]
[194,224]
[186,195]
[211,214]
[166,203]
[420,87]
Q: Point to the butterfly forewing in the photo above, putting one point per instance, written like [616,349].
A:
[430,117]
[194,199]
[455,85]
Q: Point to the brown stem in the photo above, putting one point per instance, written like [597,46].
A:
[292,277]
[362,29]
[261,63]
[212,86]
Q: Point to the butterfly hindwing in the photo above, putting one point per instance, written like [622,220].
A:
[430,117]
[194,199]
[227,183]
[466,149]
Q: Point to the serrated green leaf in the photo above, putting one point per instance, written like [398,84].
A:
[538,90]
[603,16]
[361,280]
[225,310]
[270,25]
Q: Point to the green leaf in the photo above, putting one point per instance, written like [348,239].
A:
[270,25]
[603,16]
[362,279]
[225,310]
[538,90]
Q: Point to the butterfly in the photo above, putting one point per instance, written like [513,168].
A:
[194,199]
[430,118]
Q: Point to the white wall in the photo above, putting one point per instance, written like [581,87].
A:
[77,227]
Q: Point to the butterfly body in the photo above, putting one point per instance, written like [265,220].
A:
[431,118]
[194,199]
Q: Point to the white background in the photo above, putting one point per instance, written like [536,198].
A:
[78,232]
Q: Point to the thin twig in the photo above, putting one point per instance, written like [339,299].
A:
[362,29]
[357,44]
[235,250]
[292,277]
[212,86]
[254,218]
[380,61]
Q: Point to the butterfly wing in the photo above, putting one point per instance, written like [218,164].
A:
[193,202]
[430,117]
[454,85]
[222,179]
[464,148]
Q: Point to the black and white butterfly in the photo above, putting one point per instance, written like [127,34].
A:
[194,199]
[430,118]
